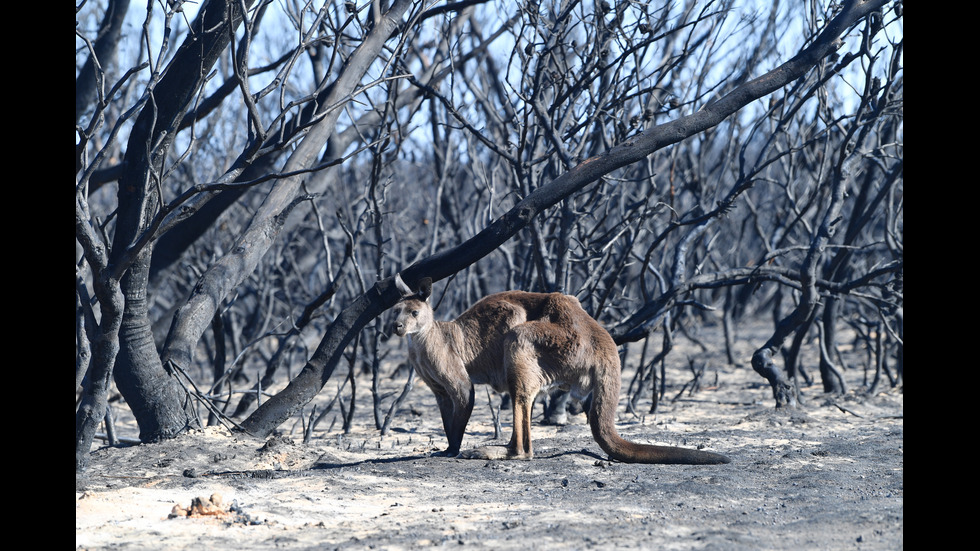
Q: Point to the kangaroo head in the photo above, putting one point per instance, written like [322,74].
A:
[413,312]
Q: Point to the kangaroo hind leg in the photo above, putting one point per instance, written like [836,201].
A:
[520,361]
[537,353]
[524,381]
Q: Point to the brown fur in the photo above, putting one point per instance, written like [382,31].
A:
[520,343]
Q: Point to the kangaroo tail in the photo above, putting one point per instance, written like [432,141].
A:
[605,398]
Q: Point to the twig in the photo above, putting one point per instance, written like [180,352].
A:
[847,410]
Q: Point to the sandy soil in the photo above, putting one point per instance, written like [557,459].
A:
[828,476]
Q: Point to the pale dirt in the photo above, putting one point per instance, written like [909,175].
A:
[828,476]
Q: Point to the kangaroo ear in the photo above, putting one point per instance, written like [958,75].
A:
[425,288]
[403,287]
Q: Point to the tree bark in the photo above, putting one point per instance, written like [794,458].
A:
[160,405]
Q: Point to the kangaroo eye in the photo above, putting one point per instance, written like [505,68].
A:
[415,313]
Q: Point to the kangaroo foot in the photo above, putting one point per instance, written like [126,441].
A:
[492,453]
[444,453]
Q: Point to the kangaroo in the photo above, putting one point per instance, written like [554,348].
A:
[520,343]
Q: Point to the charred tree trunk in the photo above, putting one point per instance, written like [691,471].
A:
[830,374]
[105,340]
[161,406]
